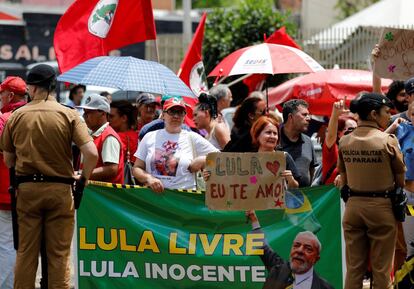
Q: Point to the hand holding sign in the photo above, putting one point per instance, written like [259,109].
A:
[287,174]
[242,181]
[394,55]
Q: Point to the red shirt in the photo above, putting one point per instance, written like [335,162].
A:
[12,106]
[4,171]
[130,141]
[329,160]
[108,131]
[4,186]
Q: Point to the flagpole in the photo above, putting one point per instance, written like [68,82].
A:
[239,79]
[220,80]
[153,46]
[267,95]
[157,55]
[187,23]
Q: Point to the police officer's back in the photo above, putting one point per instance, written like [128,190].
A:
[37,141]
[371,166]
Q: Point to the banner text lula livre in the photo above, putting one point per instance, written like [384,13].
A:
[131,238]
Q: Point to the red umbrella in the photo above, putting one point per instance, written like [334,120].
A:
[321,89]
[266,58]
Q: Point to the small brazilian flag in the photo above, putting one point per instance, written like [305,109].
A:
[299,211]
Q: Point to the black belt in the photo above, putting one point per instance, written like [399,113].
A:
[40,178]
[385,194]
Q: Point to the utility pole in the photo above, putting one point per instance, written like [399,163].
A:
[187,24]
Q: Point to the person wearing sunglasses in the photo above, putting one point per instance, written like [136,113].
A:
[169,158]
[341,123]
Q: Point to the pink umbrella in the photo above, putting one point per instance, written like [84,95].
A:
[321,89]
[266,58]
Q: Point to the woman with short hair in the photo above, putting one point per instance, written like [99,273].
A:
[265,138]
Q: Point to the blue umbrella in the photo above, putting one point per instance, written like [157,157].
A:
[127,73]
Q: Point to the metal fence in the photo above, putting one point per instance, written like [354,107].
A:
[344,47]
[170,50]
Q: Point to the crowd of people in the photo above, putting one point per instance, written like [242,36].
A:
[152,142]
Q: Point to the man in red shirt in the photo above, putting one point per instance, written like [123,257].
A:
[12,96]
[110,166]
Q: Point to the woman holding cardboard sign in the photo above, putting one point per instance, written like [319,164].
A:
[265,136]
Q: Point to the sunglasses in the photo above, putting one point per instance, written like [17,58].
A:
[175,112]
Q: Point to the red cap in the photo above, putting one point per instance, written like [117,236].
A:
[173,102]
[13,84]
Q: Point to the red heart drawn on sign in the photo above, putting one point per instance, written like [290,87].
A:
[273,167]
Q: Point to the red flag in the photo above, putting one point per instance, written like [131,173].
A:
[91,28]
[190,104]
[281,37]
[192,69]
[278,37]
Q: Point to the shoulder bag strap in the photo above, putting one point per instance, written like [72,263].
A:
[194,155]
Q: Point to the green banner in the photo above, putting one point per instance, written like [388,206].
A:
[134,238]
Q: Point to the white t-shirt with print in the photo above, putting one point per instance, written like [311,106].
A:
[168,155]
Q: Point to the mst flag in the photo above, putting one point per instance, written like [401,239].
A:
[192,69]
[91,28]
[278,37]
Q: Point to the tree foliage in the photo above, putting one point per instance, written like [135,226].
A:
[230,29]
[347,8]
